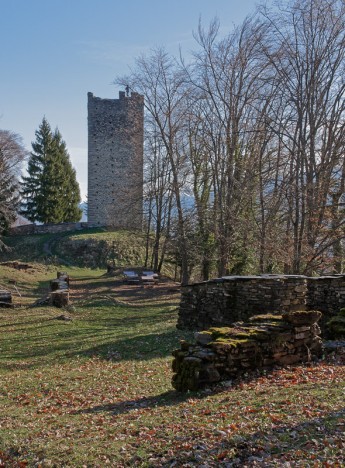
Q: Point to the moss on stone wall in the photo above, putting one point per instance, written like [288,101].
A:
[224,352]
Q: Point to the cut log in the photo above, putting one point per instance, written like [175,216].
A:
[60,298]
[58,285]
[63,276]
[60,290]
[5,298]
[61,273]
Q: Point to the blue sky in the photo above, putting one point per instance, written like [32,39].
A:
[54,51]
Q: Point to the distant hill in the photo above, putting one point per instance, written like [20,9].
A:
[83,207]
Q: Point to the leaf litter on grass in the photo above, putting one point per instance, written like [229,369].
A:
[100,394]
[266,420]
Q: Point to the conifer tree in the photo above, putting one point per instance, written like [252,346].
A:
[50,191]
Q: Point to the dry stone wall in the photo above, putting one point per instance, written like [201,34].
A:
[226,300]
[326,293]
[115,161]
[29,229]
[224,353]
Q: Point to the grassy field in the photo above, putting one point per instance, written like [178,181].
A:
[96,391]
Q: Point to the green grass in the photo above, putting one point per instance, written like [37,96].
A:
[96,391]
[89,248]
[25,248]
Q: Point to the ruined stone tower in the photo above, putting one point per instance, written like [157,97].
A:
[115,161]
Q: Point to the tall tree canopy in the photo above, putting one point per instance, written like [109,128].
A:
[50,192]
[12,153]
[253,127]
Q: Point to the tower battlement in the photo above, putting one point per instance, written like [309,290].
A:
[115,160]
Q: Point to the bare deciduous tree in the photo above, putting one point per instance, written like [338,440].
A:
[162,84]
[306,48]
[228,71]
[253,128]
[12,154]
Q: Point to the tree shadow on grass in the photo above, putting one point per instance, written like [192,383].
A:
[134,294]
[143,347]
[93,282]
[50,344]
[284,442]
[105,301]
[169,398]
[42,289]
[273,442]
[270,444]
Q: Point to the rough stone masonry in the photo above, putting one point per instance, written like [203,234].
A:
[220,302]
[264,341]
[115,161]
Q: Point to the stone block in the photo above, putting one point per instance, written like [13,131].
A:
[291,359]
[218,360]
[209,374]
[302,329]
[203,337]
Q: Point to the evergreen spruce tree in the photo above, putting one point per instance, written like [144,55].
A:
[70,196]
[50,192]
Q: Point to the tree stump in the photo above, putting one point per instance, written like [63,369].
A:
[60,298]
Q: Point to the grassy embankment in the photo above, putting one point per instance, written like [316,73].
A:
[96,390]
[92,248]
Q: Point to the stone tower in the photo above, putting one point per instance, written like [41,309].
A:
[115,161]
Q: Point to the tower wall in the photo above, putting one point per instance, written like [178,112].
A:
[115,161]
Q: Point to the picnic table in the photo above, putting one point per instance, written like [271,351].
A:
[149,277]
[131,276]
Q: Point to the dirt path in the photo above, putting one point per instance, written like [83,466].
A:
[132,294]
